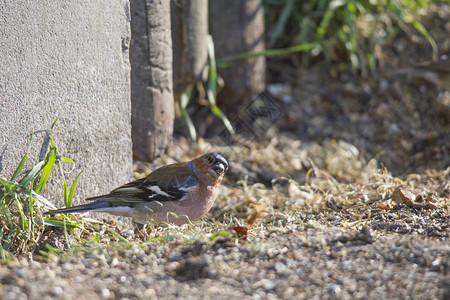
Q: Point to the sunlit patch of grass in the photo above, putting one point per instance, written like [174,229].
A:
[21,220]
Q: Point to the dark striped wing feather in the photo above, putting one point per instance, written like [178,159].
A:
[164,184]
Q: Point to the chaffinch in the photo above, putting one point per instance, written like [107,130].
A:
[176,193]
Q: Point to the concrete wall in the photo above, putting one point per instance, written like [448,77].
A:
[67,59]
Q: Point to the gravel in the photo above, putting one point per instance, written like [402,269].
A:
[299,262]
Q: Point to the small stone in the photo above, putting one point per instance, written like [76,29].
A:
[265,284]
[280,268]
[114,262]
[57,290]
[105,293]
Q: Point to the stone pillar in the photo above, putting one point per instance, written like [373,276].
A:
[189,33]
[238,27]
[151,78]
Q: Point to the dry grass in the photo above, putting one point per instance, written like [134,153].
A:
[313,185]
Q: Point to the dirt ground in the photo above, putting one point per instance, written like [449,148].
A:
[290,261]
[345,194]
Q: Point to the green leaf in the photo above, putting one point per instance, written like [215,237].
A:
[32,174]
[216,110]
[420,28]
[8,184]
[10,189]
[13,189]
[68,160]
[43,201]
[72,190]
[53,250]
[185,98]
[58,223]
[22,215]
[184,101]
[4,254]
[117,235]
[220,233]
[31,210]
[267,53]
[66,196]
[281,23]
[212,74]
[211,90]
[51,133]
[322,30]
[22,162]
[47,170]
[96,238]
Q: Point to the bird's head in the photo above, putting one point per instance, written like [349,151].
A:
[211,168]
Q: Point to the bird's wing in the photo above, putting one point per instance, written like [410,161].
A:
[168,183]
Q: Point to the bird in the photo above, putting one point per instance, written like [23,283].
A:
[177,193]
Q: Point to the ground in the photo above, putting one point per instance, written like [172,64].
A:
[345,194]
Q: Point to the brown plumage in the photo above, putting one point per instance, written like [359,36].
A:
[176,193]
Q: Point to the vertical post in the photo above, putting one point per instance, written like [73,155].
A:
[151,78]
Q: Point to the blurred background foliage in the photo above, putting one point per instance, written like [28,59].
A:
[347,33]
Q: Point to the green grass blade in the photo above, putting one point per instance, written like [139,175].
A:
[18,188]
[66,159]
[117,235]
[66,235]
[58,223]
[23,221]
[4,253]
[32,174]
[220,233]
[212,73]
[43,201]
[53,250]
[72,190]
[4,202]
[61,172]
[96,238]
[281,23]
[31,210]
[22,162]
[184,101]
[420,28]
[267,53]
[66,195]
[47,170]
[219,113]
[51,133]
[190,125]
[325,22]
[9,192]
[185,98]
[212,84]
[8,184]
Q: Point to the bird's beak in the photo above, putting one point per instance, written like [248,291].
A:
[219,169]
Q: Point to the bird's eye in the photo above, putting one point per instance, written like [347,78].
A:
[211,159]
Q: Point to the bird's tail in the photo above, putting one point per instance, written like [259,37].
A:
[98,205]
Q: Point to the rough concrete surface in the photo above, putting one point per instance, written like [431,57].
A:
[67,60]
